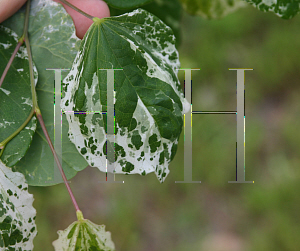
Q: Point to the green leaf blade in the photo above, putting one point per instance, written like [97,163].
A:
[53,46]
[149,100]
[15,98]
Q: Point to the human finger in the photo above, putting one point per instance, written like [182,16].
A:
[96,8]
[9,7]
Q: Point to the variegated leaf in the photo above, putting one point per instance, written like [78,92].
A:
[283,8]
[149,102]
[17,215]
[212,8]
[15,98]
[84,235]
[52,41]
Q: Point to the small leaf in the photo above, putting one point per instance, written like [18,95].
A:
[53,43]
[123,4]
[149,103]
[84,235]
[15,98]
[212,8]
[17,215]
[285,9]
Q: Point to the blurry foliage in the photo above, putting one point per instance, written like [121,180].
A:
[144,215]
[213,8]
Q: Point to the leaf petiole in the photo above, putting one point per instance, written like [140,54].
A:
[78,10]
[38,111]
[20,42]
[4,142]
[35,108]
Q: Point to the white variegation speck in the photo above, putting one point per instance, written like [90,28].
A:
[137,11]
[27,101]
[6,46]
[5,91]
[6,124]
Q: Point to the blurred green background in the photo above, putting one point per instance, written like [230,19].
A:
[144,215]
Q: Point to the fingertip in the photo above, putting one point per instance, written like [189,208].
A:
[9,7]
[95,8]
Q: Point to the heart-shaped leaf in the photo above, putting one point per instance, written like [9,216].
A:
[53,41]
[15,98]
[149,102]
[17,216]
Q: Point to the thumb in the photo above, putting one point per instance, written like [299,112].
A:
[9,7]
[96,8]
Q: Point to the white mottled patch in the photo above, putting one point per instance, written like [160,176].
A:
[9,123]
[6,46]
[22,52]
[137,11]
[161,50]
[27,101]
[51,28]
[16,207]
[62,23]
[279,8]
[5,91]
[38,5]
[32,128]
[6,124]
[132,45]
[90,92]
[95,131]
[269,2]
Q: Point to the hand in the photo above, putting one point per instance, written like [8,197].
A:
[9,7]
[96,8]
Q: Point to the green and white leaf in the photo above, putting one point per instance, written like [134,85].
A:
[169,11]
[125,4]
[285,9]
[17,215]
[15,98]
[84,235]
[212,8]
[54,46]
[149,102]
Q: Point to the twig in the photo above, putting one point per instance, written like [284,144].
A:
[38,111]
